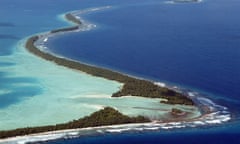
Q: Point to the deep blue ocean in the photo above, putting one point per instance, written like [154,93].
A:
[194,46]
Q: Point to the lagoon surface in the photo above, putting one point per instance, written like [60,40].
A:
[190,45]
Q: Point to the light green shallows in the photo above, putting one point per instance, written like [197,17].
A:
[68,95]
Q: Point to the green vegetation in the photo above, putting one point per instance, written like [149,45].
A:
[65,29]
[73,19]
[107,116]
[145,88]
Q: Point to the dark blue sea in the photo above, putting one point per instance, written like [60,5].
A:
[195,46]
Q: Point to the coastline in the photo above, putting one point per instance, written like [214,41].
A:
[70,133]
[88,69]
[206,119]
[131,86]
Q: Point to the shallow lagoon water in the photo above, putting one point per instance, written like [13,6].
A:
[17,73]
[61,95]
[36,92]
[193,45]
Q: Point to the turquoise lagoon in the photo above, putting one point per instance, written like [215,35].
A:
[203,37]
[35,92]
[65,94]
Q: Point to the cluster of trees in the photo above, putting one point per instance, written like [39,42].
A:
[106,116]
[148,89]
[65,29]
[72,18]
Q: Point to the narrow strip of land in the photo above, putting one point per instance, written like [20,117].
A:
[132,86]
[106,116]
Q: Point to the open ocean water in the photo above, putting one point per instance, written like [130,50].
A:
[194,46]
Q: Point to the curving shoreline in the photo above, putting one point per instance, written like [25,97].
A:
[137,86]
[132,86]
